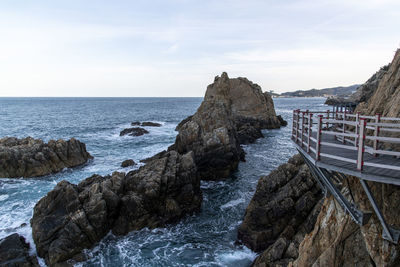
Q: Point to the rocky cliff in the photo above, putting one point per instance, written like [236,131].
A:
[336,240]
[233,112]
[283,209]
[385,98]
[30,157]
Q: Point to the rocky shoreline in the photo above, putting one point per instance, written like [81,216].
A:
[30,157]
[71,217]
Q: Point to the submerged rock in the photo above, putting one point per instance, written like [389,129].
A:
[72,217]
[30,157]
[233,112]
[135,131]
[146,123]
[14,251]
[127,163]
[283,209]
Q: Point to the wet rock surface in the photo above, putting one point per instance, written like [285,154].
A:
[72,217]
[127,163]
[135,131]
[283,209]
[30,157]
[14,252]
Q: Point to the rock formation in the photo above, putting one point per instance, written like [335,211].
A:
[127,163]
[30,157]
[135,131]
[283,209]
[72,217]
[14,251]
[233,112]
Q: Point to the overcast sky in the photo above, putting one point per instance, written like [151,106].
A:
[176,47]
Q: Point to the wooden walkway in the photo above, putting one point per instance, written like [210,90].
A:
[368,173]
[340,142]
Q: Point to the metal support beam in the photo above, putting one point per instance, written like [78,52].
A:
[389,233]
[323,176]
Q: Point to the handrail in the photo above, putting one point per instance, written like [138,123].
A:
[352,130]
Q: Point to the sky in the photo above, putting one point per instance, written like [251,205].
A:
[175,48]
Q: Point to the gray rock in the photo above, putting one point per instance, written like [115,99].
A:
[127,163]
[285,206]
[72,217]
[30,157]
[14,252]
[135,131]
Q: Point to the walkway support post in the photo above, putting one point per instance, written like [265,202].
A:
[344,125]
[327,116]
[361,143]
[297,125]
[302,128]
[309,131]
[389,233]
[357,128]
[376,133]
[319,131]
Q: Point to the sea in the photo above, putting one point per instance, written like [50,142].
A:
[207,238]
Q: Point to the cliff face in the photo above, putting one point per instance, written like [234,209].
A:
[283,209]
[385,98]
[336,240]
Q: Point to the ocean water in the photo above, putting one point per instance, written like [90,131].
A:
[207,238]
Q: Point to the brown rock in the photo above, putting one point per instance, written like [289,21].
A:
[30,157]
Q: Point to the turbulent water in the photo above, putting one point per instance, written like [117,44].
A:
[204,239]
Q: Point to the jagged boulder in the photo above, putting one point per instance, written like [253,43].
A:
[233,112]
[72,217]
[14,251]
[135,131]
[30,157]
[127,163]
[283,209]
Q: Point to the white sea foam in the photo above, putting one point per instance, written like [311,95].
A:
[233,203]
[235,256]
[4,197]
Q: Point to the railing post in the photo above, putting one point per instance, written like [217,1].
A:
[309,131]
[327,116]
[297,124]
[319,132]
[377,129]
[356,130]
[344,125]
[293,123]
[302,128]
[361,143]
